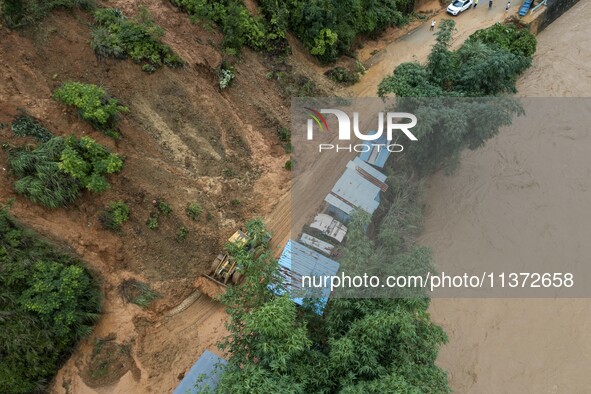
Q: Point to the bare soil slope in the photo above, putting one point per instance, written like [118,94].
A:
[184,141]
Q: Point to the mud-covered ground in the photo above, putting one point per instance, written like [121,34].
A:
[183,141]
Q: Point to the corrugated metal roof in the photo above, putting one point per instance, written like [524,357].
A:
[376,152]
[358,187]
[296,261]
[207,370]
[357,162]
[329,226]
[316,243]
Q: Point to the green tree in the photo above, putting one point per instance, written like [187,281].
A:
[324,44]
[89,162]
[361,345]
[409,80]
[516,39]
[57,294]
[485,65]
[343,20]
[48,301]
[486,70]
[441,61]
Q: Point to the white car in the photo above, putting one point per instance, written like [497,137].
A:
[459,6]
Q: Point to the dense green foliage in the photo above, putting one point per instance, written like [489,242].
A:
[163,207]
[19,13]
[25,126]
[487,64]
[181,234]
[138,38]
[113,217]
[240,28]
[54,173]
[152,221]
[328,28]
[48,301]
[360,346]
[94,104]
[450,125]
[519,41]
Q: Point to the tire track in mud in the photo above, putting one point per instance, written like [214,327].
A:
[186,303]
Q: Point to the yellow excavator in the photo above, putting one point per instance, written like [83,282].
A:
[223,268]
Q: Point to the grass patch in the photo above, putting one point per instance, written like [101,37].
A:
[152,221]
[194,211]
[294,84]
[138,38]
[113,217]
[163,207]
[181,234]
[234,20]
[108,361]
[226,75]
[285,138]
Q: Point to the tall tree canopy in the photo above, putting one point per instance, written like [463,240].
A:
[447,93]
[47,303]
[359,346]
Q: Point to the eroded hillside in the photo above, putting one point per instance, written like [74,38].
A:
[184,141]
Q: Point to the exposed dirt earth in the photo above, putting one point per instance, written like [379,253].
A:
[184,141]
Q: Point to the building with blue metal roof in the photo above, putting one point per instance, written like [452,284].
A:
[204,374]
[376,152]
[358,188]
[298,260]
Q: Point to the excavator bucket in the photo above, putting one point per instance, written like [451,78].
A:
[223,270]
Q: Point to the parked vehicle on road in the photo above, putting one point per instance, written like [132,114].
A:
[458,6]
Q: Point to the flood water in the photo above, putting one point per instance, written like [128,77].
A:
[521,345]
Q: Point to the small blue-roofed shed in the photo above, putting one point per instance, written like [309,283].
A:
[375,152]
[207,370]
[358,188]
[298,260]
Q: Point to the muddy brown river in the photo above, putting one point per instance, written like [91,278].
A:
[521,345]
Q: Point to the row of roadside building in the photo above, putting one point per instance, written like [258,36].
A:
[359,187]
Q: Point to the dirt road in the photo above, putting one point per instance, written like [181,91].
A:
[521,345]
[417,44]
[320,174]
